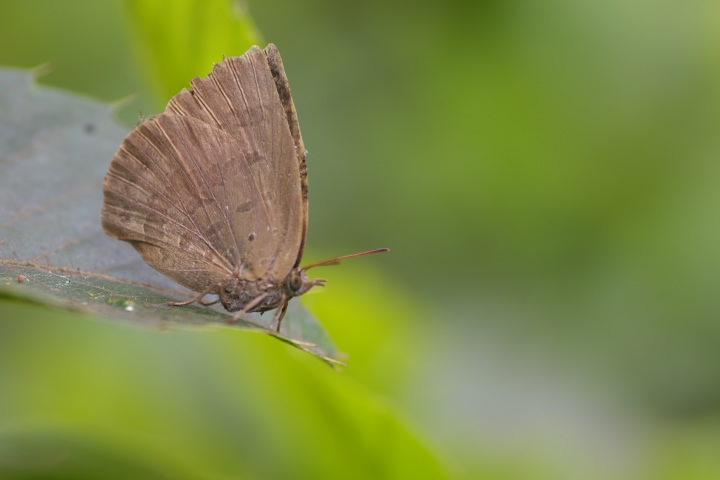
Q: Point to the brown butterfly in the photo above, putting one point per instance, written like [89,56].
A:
[213,192]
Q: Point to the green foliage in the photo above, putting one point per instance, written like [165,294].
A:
[183,42]
[545,173]
[84,397]
[88,396]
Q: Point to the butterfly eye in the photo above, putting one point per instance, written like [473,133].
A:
[295,282]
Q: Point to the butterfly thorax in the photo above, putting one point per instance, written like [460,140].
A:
[239,292]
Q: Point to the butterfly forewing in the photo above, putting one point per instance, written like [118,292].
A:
[215,185]
[241,96]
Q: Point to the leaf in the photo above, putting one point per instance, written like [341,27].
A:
[183,42]
[52,454]
[55,150]
[215,405]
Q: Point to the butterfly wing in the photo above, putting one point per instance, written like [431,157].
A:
[249,97]
[169,192]
[215,185]
[283,88]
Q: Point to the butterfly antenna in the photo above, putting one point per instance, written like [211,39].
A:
[335,261]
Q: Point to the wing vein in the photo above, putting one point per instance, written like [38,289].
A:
[177,195]
[169,219]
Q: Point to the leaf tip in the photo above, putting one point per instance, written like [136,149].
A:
[42,70]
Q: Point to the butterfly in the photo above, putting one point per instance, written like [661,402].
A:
[213,192]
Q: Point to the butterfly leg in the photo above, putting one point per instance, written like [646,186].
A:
[279,315]
[250,305]
[196,299]
[207,304]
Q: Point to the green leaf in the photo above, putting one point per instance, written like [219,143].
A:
[51,454]
[182,42]
[82,396]
[55,151]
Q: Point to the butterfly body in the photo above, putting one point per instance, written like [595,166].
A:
[238,293]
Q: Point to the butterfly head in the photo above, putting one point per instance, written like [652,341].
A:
[299,283]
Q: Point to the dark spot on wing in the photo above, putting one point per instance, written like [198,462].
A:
[254,157]
[244,207]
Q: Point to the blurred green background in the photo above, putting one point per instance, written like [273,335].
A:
[546,173]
